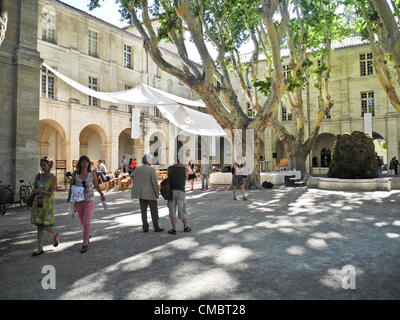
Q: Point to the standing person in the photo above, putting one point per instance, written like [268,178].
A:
[192,168]
[177,175]
[123,164]
[393,166]
[238,180]
[84,177]
[43,205]
[145,188]
[380,164]
[134,164]
[103,170]
[205,170]
[130,166]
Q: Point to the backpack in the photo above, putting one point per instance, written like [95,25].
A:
[267,184]
[165,190]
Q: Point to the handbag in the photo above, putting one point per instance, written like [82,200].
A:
[31,197]
[165,189]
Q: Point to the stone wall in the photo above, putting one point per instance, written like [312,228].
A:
[19,95]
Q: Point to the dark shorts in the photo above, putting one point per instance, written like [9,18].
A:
[191,176]
[238,180]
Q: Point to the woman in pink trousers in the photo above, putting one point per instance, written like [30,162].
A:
[84,177]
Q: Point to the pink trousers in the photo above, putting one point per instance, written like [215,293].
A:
[85,212]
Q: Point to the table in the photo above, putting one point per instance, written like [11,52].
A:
[273,177]
[220,178]
[278,177]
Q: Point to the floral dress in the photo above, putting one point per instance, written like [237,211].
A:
[44,215]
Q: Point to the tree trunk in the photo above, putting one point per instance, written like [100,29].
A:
[298,162]
[253,180]
[297,155]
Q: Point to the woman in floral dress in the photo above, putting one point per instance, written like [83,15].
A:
[43,204]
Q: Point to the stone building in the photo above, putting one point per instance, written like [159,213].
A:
[104,58]
[356,90]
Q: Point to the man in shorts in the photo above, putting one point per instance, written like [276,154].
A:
[177,175]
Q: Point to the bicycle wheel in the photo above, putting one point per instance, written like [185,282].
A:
[23,195]
[6,199]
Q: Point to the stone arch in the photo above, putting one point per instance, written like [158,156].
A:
[126,146]
[322,150]
[93,143]
[380,146]
[52,140]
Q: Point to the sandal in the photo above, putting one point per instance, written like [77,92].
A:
[172,231]
[187,229]
[37,253]
[234,198]
[244,199]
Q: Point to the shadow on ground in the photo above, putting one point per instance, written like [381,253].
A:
[281,244]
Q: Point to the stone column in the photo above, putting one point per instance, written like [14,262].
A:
[19,91]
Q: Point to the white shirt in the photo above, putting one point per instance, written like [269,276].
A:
[103,168]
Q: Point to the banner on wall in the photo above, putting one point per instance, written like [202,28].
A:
[368,123]
[135,129]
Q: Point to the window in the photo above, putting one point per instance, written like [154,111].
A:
[325,157]
[156,112]
[128,57]
[93,43]
[156,70]
[47,84]
[250,111]
[366,64]
[48,24]
[93,84]
[328,115]
[128,107]
[286,114]
[287,71]
[367,103]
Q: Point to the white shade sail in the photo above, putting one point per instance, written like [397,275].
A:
[170,105]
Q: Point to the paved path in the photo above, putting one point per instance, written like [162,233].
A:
[281,244]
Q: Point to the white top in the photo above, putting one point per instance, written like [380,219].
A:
[103,168]
[88,186]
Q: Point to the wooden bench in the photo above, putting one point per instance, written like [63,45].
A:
[112,183]
[105,185]
[123,184]
[162,174]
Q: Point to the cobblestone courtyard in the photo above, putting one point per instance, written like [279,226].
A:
[281,244]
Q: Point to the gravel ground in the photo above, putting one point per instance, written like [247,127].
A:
[283,243]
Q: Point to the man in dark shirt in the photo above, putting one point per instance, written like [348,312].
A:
[177,176]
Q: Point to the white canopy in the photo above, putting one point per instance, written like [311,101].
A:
[170,105]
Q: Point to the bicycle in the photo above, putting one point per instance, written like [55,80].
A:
[7,196]
[24,191]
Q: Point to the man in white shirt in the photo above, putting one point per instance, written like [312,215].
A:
[103,170]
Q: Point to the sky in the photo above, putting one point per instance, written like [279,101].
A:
[108,11]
